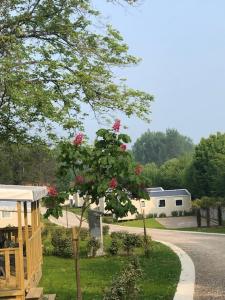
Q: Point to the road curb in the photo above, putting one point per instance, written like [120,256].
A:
[186,284]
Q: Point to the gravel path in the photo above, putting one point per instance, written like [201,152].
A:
[206,251]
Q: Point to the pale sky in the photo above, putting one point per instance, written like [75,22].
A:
[182,46]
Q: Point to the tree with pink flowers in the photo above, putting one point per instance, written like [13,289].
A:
[104,169]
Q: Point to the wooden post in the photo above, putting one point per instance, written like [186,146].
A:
[27,240]
[20,239]
[32,218]
[75,239]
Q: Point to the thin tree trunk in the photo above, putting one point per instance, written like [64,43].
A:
[208,216]
[199,219]
[145,236]
[76,252]
[220,218]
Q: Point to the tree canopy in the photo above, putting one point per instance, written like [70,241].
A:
[159,147]
[206,175]
[57,63]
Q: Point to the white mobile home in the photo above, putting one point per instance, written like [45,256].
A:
[161,202]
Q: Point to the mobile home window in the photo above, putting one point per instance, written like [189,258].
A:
[162,203]
[5,214]
[179,202]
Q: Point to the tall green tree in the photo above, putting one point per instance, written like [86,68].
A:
[56,66]
[206,175]
[159,147]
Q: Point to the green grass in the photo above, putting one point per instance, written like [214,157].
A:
[204,229]
[150,223]
[77,211]
[161,274]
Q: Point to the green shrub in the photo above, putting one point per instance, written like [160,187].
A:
[84,233]
[131,241]
[92,246]
[124,286]
[48,248]
[62,243]
[188,213]
[150,216]
[107,219]
[114,247]
[105,230]
[180,213]
[118,235]
[174,213]
[155,215]
[162,215]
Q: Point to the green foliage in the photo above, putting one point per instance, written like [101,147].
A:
[130,242]
[53,61]
[124,286]
[162,215]
[105,229]
[206,175]
[106,171]
[114,247]
[174,213]
[118,234]
[62,243]
[92,246]
[158,147]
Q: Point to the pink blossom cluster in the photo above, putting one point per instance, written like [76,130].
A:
[79,179]
[113,183]
[52,191]
[116,125]
[78,139]
[123,147]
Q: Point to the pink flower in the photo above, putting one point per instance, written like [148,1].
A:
[113,183]
[78,139]
[116,125]
[79,179]
[138,169]
[52,191]
[123,147]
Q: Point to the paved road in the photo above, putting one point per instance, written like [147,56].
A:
[206,251]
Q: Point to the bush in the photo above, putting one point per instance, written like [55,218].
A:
[105,230]
[92,246]
[174,213]
[162,215]
[48,248]
[180,213]
[131,241]
[118,235]
[155,215]
[62,243]
[150,216]
[188,213]
[84,233]
[124,286]
[114,247]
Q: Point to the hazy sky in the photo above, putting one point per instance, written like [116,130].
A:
[182,46]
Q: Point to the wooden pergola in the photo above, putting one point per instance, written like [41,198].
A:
[21,264]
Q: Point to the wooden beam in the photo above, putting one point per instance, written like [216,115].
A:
[20,240]
[27,240]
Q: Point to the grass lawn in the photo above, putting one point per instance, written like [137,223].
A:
[150,223]
[205,229]
[161,274]
[77,211]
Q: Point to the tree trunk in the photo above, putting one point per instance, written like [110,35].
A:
[147,254]
[208,216]
[199,219]
[220,218]
[76,252]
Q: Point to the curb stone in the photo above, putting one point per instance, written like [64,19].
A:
[186,284]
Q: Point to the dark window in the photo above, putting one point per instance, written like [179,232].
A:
[162,203]
[179,202]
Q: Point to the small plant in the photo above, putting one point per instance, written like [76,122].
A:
[124,286]
[150,216]
[174,213]
[92,246]
[62,243]
[162,215]
[180,213]
[118,235]
[188,213]
[131,241]
[105,230]
[114,247]
[155,215]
